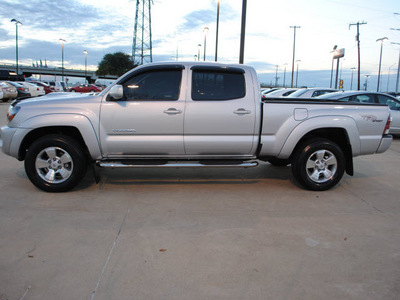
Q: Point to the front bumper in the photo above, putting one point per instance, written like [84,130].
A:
[11,140]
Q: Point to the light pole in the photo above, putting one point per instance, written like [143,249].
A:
[84,51]
[205,41]
[294,50]
[216,40]
[243,32]
[297,72]
[62,57]
[276,76]
[16,42]
[388,80]
[398,69]
[352,73]
[366,82]
[333,59]
[380,60]
[198,52]
[284,75]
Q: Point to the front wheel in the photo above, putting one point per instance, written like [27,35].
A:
[55,163]
[319,164]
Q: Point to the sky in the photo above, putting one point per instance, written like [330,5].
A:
[103,27]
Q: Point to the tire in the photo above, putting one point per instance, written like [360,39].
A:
[318,164]
[277,162]
[73,91]
[55,163]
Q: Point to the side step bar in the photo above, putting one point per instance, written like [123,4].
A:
[176,164]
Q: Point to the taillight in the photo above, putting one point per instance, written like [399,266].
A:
[387,127]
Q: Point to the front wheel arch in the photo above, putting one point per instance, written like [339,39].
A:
[55,163]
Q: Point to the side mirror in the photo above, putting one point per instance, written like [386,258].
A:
[116,92]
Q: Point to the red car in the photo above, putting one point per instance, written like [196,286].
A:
[47,88]
[85,88]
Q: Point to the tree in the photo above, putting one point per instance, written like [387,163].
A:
[115,64]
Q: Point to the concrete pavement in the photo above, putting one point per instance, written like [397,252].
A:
[202,234]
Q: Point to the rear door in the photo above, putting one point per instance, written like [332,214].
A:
[220,112]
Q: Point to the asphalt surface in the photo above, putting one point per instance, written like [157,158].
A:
[202,234]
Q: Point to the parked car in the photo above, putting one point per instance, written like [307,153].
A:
[57,86]
[9,91]
[1,94]
[370,97]
[34,90]
[280,93]
[45,86]
[85,88]
[22,91]
[311,92]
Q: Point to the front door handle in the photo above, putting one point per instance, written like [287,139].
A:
[242,111]
[172,111]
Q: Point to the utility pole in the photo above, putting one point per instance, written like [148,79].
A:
[243,32]
[358,47]
[294,51]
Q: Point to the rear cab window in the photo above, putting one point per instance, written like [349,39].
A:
[217,83]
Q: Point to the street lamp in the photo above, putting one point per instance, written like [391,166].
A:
[294,50]
[284,75]
[84,51]
[216,40]
[16,42]
[297,72]
[366,81]
[198,53]
[205,41]
[380,60]
[352,73]
[62,57]
[276,76]
[333,59]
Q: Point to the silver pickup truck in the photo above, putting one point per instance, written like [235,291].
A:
[190,115]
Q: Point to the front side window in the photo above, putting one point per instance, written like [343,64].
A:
[153,85]
[217,85]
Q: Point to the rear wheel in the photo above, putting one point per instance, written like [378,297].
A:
[318,164]
[55,163]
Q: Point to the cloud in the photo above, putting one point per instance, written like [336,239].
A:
[48,14]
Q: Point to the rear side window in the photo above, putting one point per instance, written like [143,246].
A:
[217,85]
[153,85]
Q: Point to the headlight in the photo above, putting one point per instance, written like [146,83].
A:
[12,112]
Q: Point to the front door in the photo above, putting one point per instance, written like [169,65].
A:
[148,120]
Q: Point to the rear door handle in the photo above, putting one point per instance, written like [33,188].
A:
[172,111]
[242,111]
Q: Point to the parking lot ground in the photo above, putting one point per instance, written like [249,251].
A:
[202,234]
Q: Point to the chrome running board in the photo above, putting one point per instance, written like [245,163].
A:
[176,164]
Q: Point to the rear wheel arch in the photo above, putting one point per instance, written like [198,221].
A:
[338,136]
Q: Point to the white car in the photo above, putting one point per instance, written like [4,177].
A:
[370,97]
[311,92]
[57,86]
[34,90]
[280,93]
